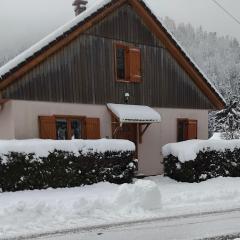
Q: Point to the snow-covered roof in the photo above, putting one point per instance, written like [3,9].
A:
[134,113]
[51,37]
[68,27]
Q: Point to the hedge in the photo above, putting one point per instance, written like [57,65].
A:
[21,171]
[208,164]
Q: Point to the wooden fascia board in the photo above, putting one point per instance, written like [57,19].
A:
[59,45]
[177,54]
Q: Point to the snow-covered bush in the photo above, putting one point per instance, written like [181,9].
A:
[39,164]
[199,160]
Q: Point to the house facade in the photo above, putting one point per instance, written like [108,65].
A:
[113,72]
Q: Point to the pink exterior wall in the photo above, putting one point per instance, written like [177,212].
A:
[19,119]
[166,132]
[7,129]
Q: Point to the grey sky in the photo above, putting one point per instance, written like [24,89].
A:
[23,22]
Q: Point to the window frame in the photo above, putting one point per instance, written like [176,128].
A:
[125,47]
[68,118]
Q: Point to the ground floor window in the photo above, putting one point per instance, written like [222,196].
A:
[68,127]
[186,129]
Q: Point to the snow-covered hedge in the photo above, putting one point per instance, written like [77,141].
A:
[199,160]
[40,164]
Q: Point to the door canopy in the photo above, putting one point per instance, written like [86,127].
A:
[134,113]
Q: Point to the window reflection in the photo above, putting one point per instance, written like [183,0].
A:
[76,129]
[61,125]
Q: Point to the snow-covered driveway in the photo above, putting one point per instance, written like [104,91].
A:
[36,212]
[182,228]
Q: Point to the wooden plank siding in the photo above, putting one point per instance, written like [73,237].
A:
[83,71]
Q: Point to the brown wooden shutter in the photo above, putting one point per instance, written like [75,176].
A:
[92,128]
[134,64]
[192,129]
[47,127]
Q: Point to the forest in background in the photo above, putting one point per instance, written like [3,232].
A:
[217,56]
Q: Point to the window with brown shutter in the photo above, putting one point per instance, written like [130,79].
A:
[92,128]
[47,127]
[127,64]
[68,127]
[134,64]
[186,129]
[192,129]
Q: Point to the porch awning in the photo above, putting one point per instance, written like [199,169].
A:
[134,113]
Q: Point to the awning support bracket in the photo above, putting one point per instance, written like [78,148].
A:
[142,131]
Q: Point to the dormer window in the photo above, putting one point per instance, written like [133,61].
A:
[128,64]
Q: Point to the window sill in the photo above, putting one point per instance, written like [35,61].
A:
[128,81]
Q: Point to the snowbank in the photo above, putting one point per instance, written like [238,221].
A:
[32,212]
[41,148]
[216,136]
[36,212]
[188,150]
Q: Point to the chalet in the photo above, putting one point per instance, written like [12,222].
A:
[114,71]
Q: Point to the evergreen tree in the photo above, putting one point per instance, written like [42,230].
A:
[227,120]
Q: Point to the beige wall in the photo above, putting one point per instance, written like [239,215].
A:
[166,132]
[7,129]
[19,119]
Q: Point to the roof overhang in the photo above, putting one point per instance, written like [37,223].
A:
[126,113]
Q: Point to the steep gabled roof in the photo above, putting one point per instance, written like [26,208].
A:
[30,58]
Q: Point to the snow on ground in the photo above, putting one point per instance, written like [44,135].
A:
[33,212]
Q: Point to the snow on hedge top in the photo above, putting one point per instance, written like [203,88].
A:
[41,148]
[134,113]
[92,8]
[188,150]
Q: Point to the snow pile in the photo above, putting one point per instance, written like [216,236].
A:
[188,150]
[216,136]
[41,148]
[134,113]
[143,194]
[32,212]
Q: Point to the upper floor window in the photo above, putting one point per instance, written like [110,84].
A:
[128,63]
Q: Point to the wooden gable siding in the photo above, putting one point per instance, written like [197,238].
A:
[83,71]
